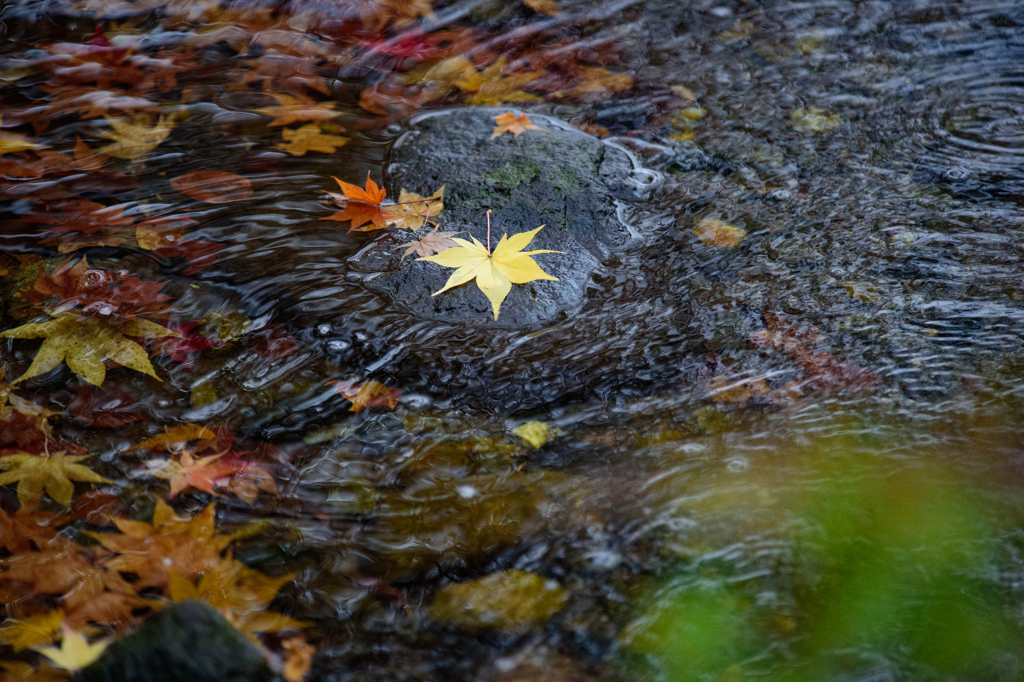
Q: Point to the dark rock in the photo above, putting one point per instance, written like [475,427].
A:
[564,179]
[187,641]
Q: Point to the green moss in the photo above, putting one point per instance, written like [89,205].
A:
[565,182]
[512,175]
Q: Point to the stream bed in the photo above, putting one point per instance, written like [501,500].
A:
[765,426]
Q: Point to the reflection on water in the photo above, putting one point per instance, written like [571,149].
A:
[795,458]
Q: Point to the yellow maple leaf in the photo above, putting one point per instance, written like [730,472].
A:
[510,123]
[412,209]
[495,273]
[52,473]
[32,631]
[175,438]
[133,140]
[75,652]
[10,142]
[84,342]
[535,433]
[295,110]
[309,138]
[490,87]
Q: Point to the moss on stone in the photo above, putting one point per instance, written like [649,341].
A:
[511,175]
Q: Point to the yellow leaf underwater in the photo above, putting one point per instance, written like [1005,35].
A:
[534,433]
[495,273]
[85,342]
[135,139]
[75,652]
[309,138]
[52,473]
[715,232]
[32,631]
[490,87]
[10,142]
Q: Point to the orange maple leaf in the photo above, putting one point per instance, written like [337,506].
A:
[369,394]
[360,206]
[510,123]
[204,473]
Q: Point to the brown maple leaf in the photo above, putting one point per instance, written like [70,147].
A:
[26,528]
[429,244]
[511,123]
[189,547]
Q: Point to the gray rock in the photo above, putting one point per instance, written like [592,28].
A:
[562,178]
[186,641]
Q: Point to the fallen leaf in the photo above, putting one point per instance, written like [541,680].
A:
[51,473]
[592,79]
[815,120]
[494,273]
[295,110]
[535,433]
[20,671]
[429,244]
[10,142]
[715,232]
[25,527]
[32,631]
[213,187]
[309,138]
[298,658]
[75,652]
[251,478]
[369,394]
[158,233]
[84,342]
[549,7]
[273,343]
[134,140]
[508,600]
[110,409]
[188,472]
[511,123]
[735,390]
[176,437]
[412,210]
[490,87]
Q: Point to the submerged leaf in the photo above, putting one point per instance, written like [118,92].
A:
[535,433]
[135,139]
[309,138]
[51,473]
[213,187]
[369,394]
[715,232]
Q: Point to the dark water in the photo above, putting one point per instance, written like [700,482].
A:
[798,458]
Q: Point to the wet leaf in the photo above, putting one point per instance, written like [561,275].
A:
[10,143]
[249,480]
[52,473]
[511,123]
[595,79]
[298,658]
[75,652]
[176,437]
[412,209]
[213,187]
[367,394]
[109,409]
[715,232]
[429,244]
[736,390]
[362,206]
[535,433]
[159,233]
[32,631]
[509,600]
[549,7]
[203,474]
[309,138]
[815,120]
[136,139]
[20,671]
[494,273]
[84,342]
[298,110]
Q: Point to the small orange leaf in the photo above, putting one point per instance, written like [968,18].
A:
[369,394]
[715,232]
[510,123]
[213,187]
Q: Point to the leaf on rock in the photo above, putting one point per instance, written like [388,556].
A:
[511,123]
[213,187]
[134,140]
[494,273]
[52,473]
[298,110]
[369,394]
[84,342]
[75,652]
[309,138]
[429,244]
[32,631]
[411,210]
[715,232]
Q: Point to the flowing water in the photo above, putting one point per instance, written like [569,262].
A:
[793,458]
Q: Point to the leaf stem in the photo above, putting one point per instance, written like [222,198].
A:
[488,232]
